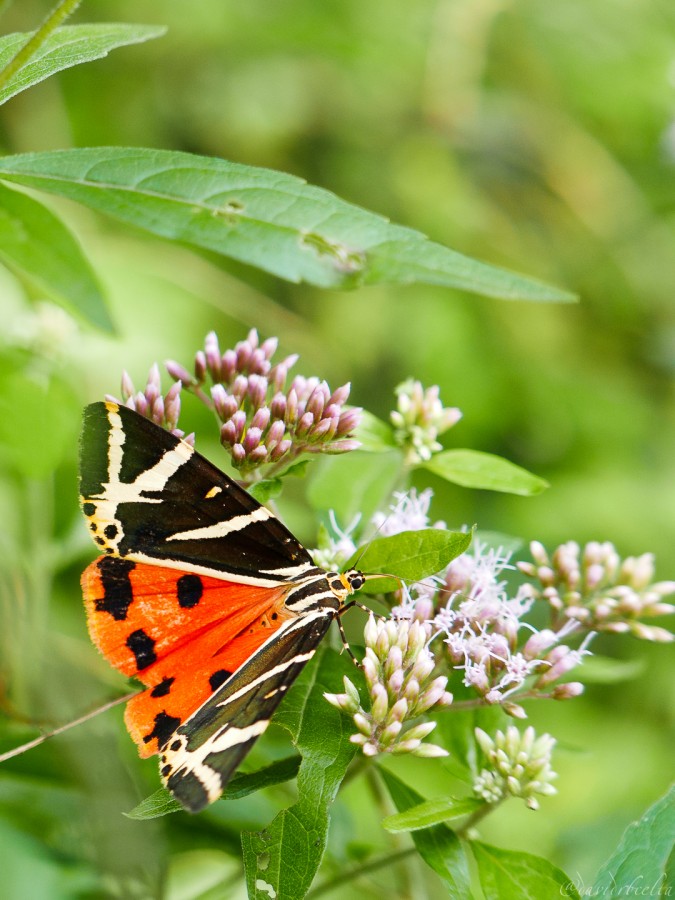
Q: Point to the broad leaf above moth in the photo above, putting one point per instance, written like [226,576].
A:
[202,594]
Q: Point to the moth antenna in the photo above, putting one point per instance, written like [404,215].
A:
[371,539]
[17,751]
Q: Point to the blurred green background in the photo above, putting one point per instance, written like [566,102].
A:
[539,137]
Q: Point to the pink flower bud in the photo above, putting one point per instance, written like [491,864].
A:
[200,366]
[567,691]
[228,367]
[128,388]
[212,355]
[349,421]
[281,449]
[238,454]
[178,372]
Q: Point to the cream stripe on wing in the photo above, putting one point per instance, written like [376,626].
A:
[223,528]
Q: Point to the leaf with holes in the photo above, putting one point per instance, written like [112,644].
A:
[282,860]
[261,217]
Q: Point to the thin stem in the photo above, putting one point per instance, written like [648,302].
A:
[476,817]
[61,11]
[380,862]
[17,751]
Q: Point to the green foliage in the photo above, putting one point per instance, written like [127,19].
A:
[484,471]
[410,555]
[66,47]
[36,243]
[431,812]
[644,857]
[264,218]
[438,845]
[509,875]
[286,855]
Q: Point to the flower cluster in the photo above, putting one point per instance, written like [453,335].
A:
[595,587]
[409,512]
[162,410]
[262,420]
[517,765]
[419,419]
[398,667]
[481,625]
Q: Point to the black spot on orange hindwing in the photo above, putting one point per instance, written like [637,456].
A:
[117,591]
[163,688]
[189,589]
[164,727]
[218,678]
[143,647]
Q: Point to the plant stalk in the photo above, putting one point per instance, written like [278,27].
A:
[60,12]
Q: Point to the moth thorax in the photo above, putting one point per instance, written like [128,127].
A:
[345,583]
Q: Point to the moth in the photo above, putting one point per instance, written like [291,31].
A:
[200,593]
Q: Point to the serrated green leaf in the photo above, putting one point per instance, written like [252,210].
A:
[410,555]
[37,244]
[431,812]
[512,875]
[265,218]
[641,864]
[161,803]
[375,435]
[439,846]
[484,471]
[66,47]
[282,860]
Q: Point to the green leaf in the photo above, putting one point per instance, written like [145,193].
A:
[66,47]
[282,860]
[439,846]
[473,469]
[258,216]
[36,243]
[375,435]
[512,875]
[266,489]
[641,863]
[431,812]
[161,803]
[410,555]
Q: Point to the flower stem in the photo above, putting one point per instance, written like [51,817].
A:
[60,12]
[475,818]
[387,859]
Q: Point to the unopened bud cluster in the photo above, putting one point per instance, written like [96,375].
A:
[419,418]
[595,587]
[516,765]
[398,667]
[161,409]
[262,419]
